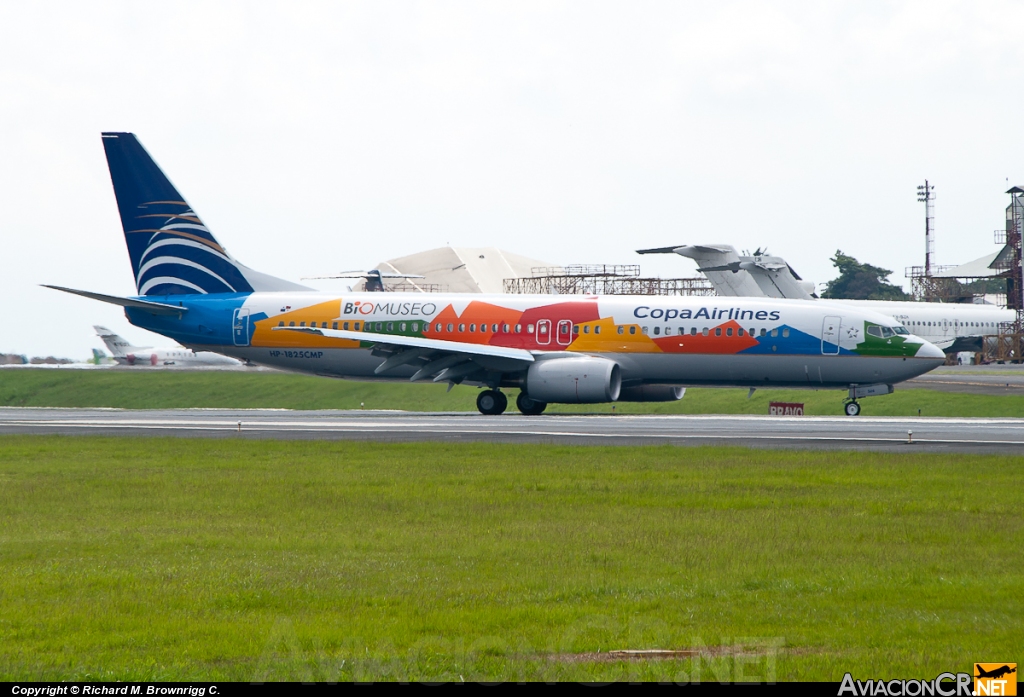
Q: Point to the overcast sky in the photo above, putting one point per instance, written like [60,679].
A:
[316,137]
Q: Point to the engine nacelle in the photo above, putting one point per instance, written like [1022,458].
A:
[576,380]
[652,393]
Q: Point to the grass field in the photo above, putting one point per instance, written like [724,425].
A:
[154,559]
[144,389]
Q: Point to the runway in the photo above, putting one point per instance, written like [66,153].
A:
[968,435]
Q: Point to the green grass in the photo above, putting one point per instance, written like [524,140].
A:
[156,559]
[164,389]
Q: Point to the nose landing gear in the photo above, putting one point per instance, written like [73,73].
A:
[491,402]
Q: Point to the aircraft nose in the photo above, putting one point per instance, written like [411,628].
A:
[930,350]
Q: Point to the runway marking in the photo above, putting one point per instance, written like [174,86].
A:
[252,428]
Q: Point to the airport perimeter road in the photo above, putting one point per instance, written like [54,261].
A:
[981,435]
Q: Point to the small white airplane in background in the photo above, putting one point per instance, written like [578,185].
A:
[126,354]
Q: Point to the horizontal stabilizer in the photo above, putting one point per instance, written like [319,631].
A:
[659,250]
[150,307]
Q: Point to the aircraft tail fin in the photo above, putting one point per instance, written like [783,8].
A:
[171,250]
[117,345]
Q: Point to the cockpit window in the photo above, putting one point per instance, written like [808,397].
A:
[901,330]
[886,333]
[875,330]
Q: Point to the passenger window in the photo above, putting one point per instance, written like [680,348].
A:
[356,326]
[586,329]
[775,332]
[668,331]
[785,333]
[437,328]
[391,326]
[705,331]
[739,332]
[415,326]
[483,328]
[763,332]
[575,329]
[344,325]
[632,329]
[519,328]
[657,330]
[302,324]
[451,327]
[472,327]
[402,326]
[462,327]
[529,329]
[728,332]
[644,330]
[620,329]
[280,324]
[334,325]
[718,331]
[693,331]
[379,326]
[597,329]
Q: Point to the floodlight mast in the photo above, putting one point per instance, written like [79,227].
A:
[925,196]
[1015,241]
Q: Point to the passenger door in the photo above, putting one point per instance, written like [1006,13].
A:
[830,335]
[240,326]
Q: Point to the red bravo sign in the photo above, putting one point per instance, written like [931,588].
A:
[785,409]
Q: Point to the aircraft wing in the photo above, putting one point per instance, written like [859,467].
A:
[441,360]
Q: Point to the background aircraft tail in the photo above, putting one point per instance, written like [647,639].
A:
[115,343]
[172,252]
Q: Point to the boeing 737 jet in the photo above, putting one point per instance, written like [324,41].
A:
[552,348]
[126,354]
[950,326]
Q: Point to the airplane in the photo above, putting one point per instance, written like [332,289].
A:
[995,672]
[554,349]
[953,327]
[126,354]
[101,358]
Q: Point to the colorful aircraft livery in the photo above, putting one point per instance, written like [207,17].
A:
[568,349]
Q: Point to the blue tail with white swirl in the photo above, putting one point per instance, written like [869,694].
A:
[172,251]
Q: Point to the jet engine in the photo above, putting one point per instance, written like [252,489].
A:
[652,393]
[582,379]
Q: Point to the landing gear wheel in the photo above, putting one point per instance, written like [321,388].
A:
[852,409]
[528,406]
[491,402]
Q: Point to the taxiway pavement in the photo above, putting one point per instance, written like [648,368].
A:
[892,434]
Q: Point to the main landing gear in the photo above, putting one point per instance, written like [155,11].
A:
[491,402]
[852,408]
[530,407]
